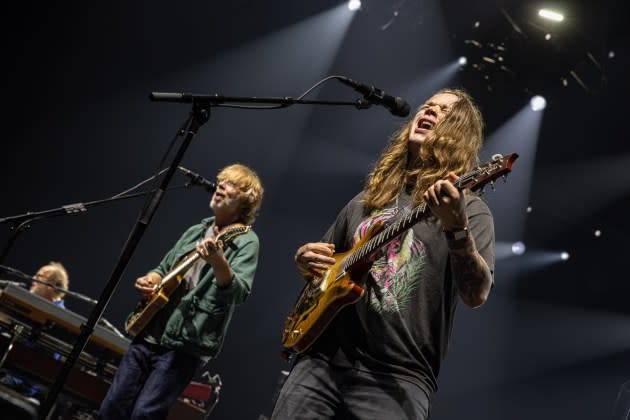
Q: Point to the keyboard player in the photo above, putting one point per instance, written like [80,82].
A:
[52,274]
[49,282]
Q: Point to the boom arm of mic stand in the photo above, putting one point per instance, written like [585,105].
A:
[67,292]
[22,222]
[217,99]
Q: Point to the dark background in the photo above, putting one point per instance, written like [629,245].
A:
[552,341]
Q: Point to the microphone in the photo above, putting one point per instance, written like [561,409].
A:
[196,179]
[396,105]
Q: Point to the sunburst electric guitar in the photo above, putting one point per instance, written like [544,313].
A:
[147,308]
[323,297]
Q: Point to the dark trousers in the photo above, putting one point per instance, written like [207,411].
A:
[147,383]
[317,390]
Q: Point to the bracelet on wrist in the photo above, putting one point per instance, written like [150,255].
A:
[457,239]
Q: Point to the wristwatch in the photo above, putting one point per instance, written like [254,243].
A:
[457,239]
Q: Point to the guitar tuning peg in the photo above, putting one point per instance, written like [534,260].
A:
[493,185]
[504,178]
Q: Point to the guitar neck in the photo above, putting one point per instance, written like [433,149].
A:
[397,228]
[225,238]
[185,265]
[386,235]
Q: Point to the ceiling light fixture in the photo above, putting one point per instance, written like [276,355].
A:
[551,15]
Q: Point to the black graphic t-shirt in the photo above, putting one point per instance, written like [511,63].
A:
[402,325]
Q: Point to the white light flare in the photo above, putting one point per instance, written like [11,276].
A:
[354,5]
[551,15]
[538,103]
[518,248]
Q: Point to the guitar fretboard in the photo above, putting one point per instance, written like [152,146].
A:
[402,225]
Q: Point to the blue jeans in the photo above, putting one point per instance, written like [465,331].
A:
[147,383]
[317,390]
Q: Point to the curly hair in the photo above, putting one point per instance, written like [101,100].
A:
[453,145]
[251,188]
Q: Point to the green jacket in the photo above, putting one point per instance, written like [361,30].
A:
[199,323]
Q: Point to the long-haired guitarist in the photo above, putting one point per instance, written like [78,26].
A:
[379,358]
[190,328]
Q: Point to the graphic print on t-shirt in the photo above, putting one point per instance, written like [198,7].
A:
[396,267]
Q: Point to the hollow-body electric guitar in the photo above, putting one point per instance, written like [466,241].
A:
[339,286]
[147,308]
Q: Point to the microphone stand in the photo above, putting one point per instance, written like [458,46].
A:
[23,276]
[199,115]
[4,283]
[67,292]
[22,222]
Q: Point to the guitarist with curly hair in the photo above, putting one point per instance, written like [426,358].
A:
[188,301]
[379,357]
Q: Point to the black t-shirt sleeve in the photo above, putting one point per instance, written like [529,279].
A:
[338,233]
[481,227]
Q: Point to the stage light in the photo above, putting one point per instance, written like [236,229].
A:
[611,54]
[462,61]
[597,233]
[538,103]
[564,256]
[529,209]
[551,15]
[547,37]
[518,248]
[354,5]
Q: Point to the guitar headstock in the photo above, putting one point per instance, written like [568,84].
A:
[232,231]
[500,166]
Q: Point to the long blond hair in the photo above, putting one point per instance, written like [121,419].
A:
[453,145]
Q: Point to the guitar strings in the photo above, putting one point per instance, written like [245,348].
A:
[409,219]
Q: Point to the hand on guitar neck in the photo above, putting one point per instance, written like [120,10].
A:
[447,203]
[211,251]
[313,258]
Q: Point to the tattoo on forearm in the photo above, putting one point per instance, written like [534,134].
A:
[472,274]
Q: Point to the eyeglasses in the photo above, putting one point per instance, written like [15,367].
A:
[227,184]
